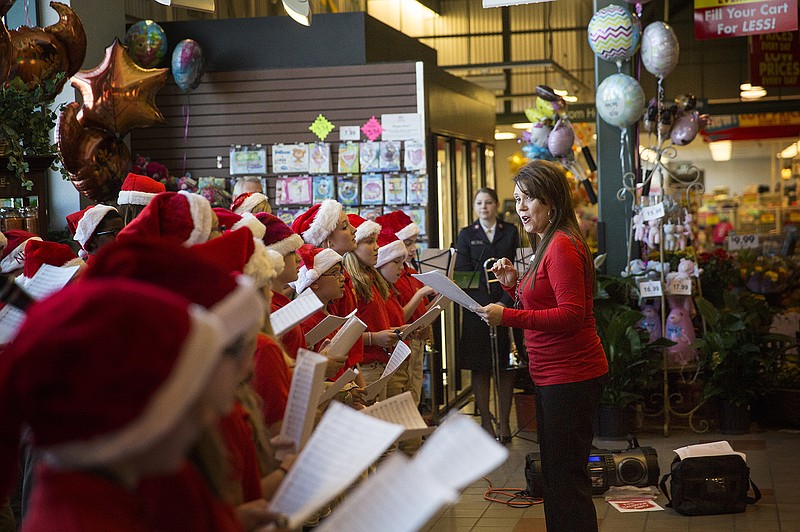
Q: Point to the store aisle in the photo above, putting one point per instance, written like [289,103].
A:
[773,457]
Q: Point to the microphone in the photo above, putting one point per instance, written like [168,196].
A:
[13,294]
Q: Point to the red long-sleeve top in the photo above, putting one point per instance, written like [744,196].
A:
[293,339]
[271,378]
[342,307]
[557,316]
[379,315]
[406,287]
[242,460]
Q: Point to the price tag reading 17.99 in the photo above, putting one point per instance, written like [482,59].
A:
[650,289]
[680,287]
[736,242]
[653,212]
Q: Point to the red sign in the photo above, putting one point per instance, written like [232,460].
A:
[775,59]
[716,19]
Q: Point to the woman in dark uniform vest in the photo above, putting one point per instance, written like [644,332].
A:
[485,238]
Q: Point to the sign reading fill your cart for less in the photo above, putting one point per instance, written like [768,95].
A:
[716,19]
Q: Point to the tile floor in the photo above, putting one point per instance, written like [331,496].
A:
[773,457]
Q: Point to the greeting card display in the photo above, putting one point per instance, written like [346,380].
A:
[350,210]
[390,155]
[417,189]
[287,216]
[371,189]
[348,158]
[323,188]
[394,187]
[319,158]
[294,190]
[289,158]
[370,156]
[414,160]
[248,160]
[347,190]
[417,215]
[370,213]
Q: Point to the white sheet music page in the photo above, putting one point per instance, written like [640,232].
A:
[11,319]
[337,385]
[48,280]
[343,445]
[325,327]
[447,457]
[398,498]
[290,315]
[399,355]
[346,337]
[441,301]
[447,288]
[401,410]
[308,381]
[423,321]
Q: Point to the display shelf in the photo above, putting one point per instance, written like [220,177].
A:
[11,188]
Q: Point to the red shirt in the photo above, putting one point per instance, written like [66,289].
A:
[311,322]
[406,287]
[379,315]
[342,307]
[271,378]
[293,339]
[241,450]
[558,319]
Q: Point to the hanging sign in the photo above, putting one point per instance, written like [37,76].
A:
[775,59]
[653,212]
[742,18]
[403,126]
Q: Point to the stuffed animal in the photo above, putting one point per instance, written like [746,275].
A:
[654,269]
[653,233]
[669,237]
[651,322]
[638,228]
[681,235]
[636,268]
[681,331]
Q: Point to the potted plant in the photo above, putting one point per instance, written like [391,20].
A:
[26,124]
[780,407]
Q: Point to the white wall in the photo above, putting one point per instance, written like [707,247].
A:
[735,174]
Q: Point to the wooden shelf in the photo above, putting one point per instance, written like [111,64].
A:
[10,186]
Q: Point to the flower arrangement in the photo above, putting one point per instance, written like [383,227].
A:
[719,274]
[765,274]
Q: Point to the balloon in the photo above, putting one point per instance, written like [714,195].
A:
[118,95]
[187,65]
[614,33]
[650,116]
[685,128]
[660,49]
[561,139]
[147,43]
[69,32]
[540,132]
[686,102]
[620,100]
[546,93]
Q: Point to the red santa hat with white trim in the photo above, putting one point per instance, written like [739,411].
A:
[180,216]
[13,256]
[248,201]
[316,261]
[364,228]
[390,248]
[139,190]
[239,251]
[317,223]
[231,221]
[38,253]
[400,224]
[83,224]
[277,235]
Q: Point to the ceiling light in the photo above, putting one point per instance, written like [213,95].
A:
[721,150]
[790,152]
[299,10]
[753,93]
[570,99]
[786,173]
[522,125]
[745,87]
[504,135]
[561,92]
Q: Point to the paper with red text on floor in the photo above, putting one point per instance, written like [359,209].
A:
[325,327]
[294,312]
[343,445]
[401,410]
[635,505]
[308,381]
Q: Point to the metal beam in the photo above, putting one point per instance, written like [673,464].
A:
[516,64]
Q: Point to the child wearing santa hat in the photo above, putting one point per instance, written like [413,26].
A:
[136,193]
[252,202]
[322,273]
[12,259]
[181,216]
[39,253]
[94,227]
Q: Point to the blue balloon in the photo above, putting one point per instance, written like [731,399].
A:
[187,65]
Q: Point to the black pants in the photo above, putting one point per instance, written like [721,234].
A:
[564,416]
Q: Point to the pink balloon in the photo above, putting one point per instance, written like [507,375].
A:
[561,139]
[685,128]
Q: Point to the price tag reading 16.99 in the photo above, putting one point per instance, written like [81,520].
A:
[736,242]
[650,289]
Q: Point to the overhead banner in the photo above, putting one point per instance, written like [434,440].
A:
[742,18]
[775,59]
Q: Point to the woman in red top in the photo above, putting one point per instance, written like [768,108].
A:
[554,306]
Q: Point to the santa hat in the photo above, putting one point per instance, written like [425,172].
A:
[277,235]
[83,224]
[238,251]
[13,256]
[400,224]
[182,216]
[139,190]
[390,248]
[248,201]
[316,261]
[364,228]
[38,252]
[91,392]
[318,222]
[232,221]
[166,263]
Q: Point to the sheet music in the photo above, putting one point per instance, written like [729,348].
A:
[441,301]
[398,498]
[290,315]
[423,321]
[308,380]
[11,319]
[446,456]
[434,259]
[337,385]
[325,327]
[401,410]
[343,445]
[346,337]
[398,356]
[448,288]
[48,280]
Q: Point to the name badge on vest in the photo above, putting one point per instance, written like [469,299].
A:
[476,243]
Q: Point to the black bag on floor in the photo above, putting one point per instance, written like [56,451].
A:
[709,485]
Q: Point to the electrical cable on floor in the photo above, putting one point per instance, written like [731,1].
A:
[515,497]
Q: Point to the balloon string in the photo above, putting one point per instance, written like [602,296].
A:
[185,114]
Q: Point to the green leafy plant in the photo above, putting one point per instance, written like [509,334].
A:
[26,123]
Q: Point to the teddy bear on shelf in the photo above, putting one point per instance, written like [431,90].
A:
[681,236]
[651,322]
[638,228]
[654,269]
[653,233]
[681,331]
[669,236]
[635,268]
